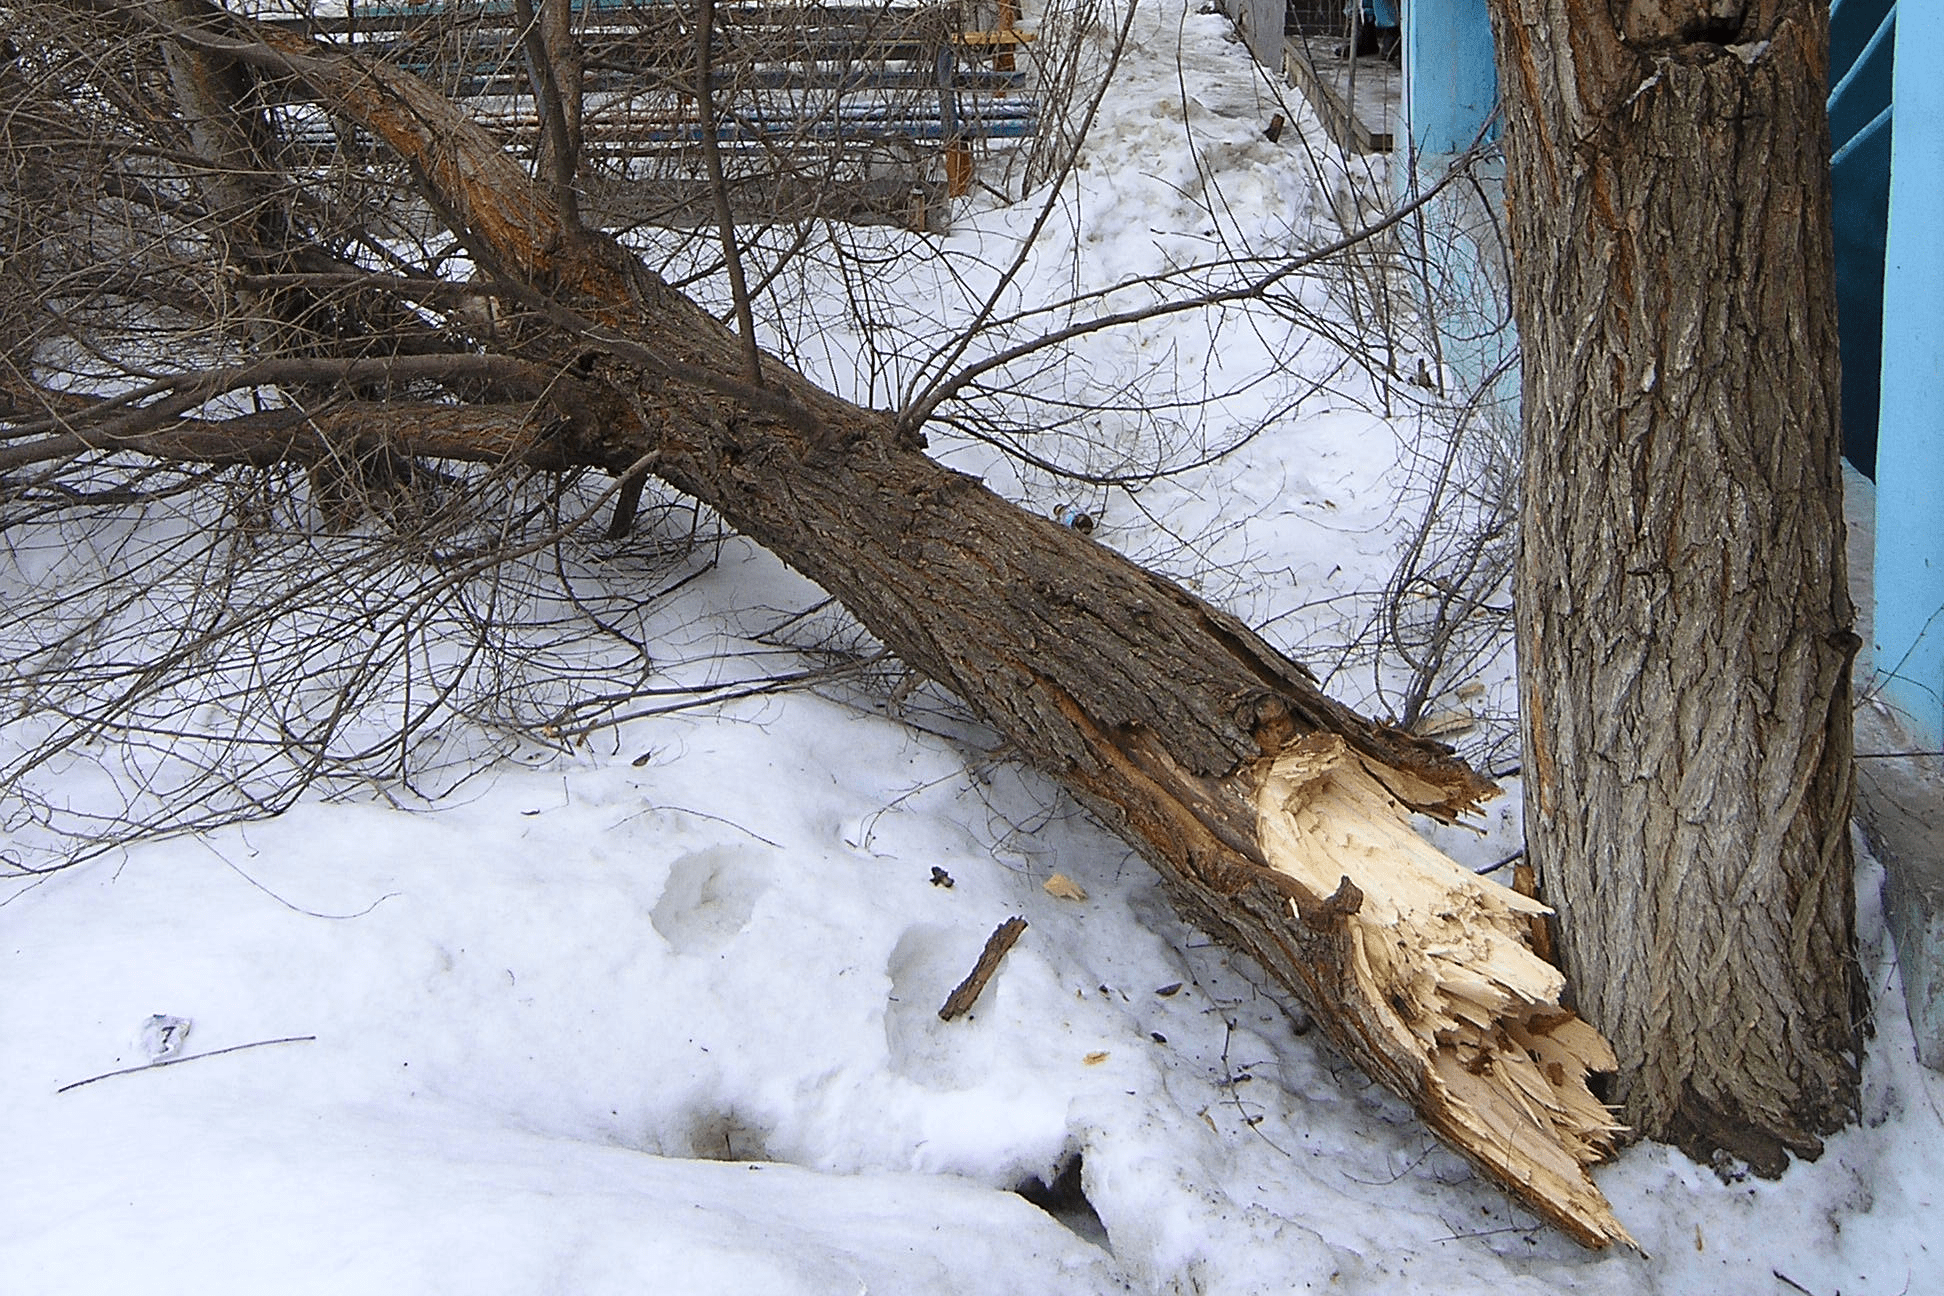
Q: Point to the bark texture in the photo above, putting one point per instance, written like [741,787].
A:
[1276,816]
[1683,607]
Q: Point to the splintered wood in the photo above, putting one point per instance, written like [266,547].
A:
[1445,977]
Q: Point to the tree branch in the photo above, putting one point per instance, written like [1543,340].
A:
[719,189]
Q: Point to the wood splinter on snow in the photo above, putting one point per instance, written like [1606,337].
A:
[1445,987]
[1001,940]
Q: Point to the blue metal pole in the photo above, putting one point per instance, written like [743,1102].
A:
[1877,38]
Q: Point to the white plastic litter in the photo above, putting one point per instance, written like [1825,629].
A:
[163,1036]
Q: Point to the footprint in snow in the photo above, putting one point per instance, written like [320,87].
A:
[708,898]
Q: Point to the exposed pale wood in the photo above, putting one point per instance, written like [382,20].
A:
[1443,973]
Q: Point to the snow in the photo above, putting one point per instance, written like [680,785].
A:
[659,1012]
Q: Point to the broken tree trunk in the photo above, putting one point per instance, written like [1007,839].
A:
[1276,816]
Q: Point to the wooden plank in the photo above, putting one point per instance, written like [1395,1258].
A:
[1008,21]
[994,38]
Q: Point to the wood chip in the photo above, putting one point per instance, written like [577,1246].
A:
[1444,724]
[1062,887]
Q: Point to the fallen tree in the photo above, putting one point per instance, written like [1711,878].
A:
[1277,817]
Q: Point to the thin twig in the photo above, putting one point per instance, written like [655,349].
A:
[1229,1078]
[719,192]
[1513,858]
[1001,940]
[193,1057]
[699,814]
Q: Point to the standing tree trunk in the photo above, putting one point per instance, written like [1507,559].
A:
[1683,611]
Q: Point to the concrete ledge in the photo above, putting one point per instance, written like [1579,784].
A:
[1900,805]
[1330,81]
[1899,801]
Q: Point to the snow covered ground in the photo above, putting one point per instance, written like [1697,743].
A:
[660,1015]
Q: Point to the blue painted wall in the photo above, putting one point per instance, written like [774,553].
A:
[1909,648]
[1450,94]
[1450,83]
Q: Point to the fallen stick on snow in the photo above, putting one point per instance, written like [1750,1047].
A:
[1001,940]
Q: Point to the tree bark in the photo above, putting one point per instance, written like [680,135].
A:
[1683,608]
[1276,817]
